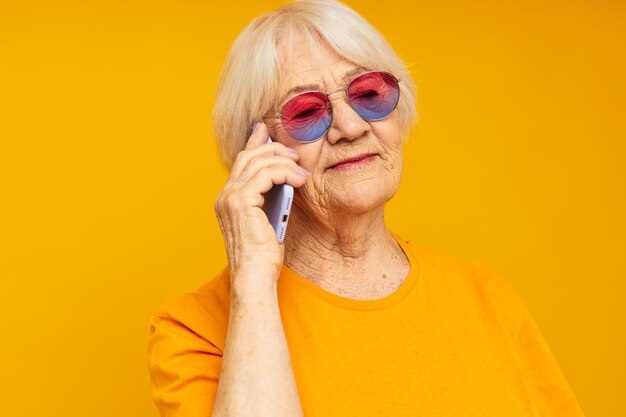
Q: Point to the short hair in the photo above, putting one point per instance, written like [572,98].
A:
[248,84]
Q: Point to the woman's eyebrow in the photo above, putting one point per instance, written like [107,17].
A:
[300,89]
[315,87]
[349,74]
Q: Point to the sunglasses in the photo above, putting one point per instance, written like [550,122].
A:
[308,116]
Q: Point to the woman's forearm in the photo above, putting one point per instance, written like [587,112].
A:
[256,377]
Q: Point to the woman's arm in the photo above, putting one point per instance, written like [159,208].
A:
[256,377]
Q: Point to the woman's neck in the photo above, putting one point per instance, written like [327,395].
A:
[353,255]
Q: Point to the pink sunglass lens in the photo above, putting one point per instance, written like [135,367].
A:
[374,95]
[307,116]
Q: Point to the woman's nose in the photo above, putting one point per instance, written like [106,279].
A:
[347,124]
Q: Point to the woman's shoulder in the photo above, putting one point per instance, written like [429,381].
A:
[468,281]
[201,313]
[455,267]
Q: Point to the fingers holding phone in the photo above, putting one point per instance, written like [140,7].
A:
[252,242]
[277,206]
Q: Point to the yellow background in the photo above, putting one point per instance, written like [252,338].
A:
[109,172]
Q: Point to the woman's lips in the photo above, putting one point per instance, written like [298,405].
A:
[357,161]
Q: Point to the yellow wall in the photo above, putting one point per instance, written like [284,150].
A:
[109,172]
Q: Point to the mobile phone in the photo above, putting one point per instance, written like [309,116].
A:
[277,206]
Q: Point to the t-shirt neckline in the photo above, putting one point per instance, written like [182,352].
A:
[362,305]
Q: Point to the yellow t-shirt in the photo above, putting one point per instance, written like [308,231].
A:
[453,340]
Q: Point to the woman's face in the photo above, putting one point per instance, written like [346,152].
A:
[351,188]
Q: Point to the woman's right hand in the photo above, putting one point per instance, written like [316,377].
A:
[252,247]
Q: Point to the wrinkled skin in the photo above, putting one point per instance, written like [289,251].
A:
[336,232]
[329,192]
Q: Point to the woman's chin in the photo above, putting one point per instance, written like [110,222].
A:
[364,196]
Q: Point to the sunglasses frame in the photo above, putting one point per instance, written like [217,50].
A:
[346,89]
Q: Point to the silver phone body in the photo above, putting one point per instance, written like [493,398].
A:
[277,206]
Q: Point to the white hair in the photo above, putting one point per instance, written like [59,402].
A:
[250,77]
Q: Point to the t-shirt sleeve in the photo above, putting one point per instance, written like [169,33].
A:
[541,371]
[549,387]
[184,369]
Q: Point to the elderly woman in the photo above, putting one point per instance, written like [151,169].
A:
[344,318]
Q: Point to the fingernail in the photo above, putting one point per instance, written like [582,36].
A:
[292,150]
[303,171]
[255,127]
